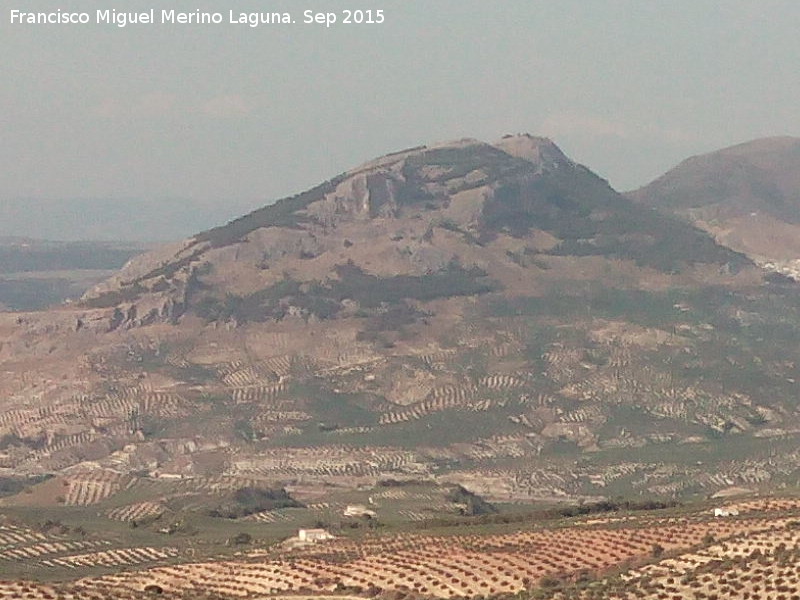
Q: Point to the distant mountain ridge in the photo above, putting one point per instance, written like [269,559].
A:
[747,196]
[35,274]
[113,219]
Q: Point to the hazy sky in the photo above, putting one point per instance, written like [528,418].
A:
[241,116]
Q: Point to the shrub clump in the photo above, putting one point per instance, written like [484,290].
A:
[251,500]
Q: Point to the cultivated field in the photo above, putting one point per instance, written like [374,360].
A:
[668,555]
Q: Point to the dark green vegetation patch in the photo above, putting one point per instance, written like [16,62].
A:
[251,500]
[323,299]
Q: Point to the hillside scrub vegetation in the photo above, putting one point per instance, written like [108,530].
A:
[251,500]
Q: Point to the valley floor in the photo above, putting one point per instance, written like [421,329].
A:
[671,553]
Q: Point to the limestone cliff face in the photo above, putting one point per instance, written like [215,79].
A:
[539,151]
[350,218]
[411,213]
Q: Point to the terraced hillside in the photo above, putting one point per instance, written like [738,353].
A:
[408,356]
[489,316]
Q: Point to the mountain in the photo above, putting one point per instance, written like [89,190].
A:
[438,334]
[418,214]
[747,196]
[492,316]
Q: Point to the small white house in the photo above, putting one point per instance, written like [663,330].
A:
[725,512]
[313,535]
[359,510]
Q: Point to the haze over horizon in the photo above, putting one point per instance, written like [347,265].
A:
[227,118]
